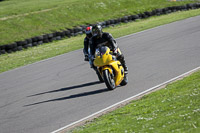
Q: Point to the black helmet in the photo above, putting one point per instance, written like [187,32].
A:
[97,30]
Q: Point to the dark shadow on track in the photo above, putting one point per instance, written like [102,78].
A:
[68,88]
[72,96]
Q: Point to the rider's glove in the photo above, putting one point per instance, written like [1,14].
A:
[115,51]
[86,58]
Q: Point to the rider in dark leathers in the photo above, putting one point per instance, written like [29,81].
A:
[104,38]
[88,33]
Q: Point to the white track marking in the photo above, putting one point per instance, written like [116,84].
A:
[124,101]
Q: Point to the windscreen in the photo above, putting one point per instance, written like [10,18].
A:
[101,50]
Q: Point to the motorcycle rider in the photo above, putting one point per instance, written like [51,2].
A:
[87,53]
[88,32]
[104,38]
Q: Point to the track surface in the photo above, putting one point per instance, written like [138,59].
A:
[50,94]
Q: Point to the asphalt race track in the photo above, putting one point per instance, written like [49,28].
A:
[53,93]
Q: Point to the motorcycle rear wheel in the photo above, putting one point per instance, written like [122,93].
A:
[109,80]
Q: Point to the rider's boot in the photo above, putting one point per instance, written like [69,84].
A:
[122,60]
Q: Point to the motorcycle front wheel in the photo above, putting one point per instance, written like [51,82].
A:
[109,80]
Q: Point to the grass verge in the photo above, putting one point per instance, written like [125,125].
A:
[175,108]
[22,19]
[21,58]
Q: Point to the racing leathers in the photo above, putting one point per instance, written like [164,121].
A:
[85,49]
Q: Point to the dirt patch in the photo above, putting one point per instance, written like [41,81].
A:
[25,14]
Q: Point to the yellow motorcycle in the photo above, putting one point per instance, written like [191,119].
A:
[110,69]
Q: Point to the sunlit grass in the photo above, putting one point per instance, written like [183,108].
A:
[22,19]
[31,55]
[175,108]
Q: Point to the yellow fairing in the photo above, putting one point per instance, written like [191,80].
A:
[106,62]
[103,59]
[119,72]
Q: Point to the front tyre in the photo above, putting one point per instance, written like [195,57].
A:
[109,80]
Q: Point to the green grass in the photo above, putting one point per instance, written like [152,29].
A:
[22,19]
[175,108]
[21,58]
